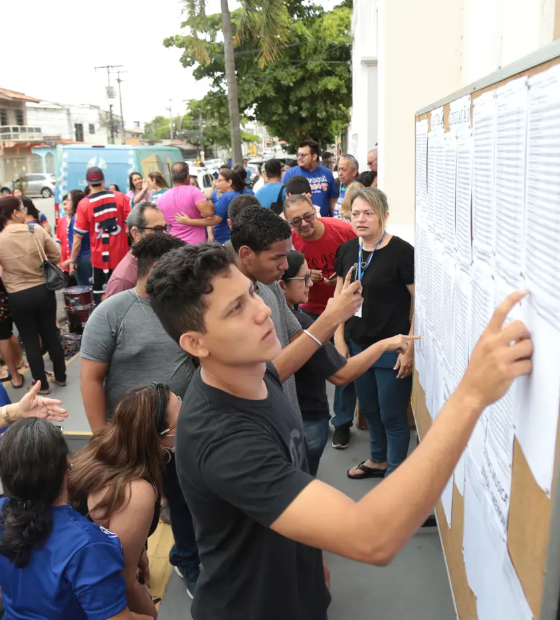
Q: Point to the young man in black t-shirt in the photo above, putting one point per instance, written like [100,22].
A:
[261,518]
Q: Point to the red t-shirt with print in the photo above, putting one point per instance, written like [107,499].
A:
[103,215]
[320,254]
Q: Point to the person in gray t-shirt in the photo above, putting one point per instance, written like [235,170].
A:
[262,240]
[125,345]
[286,326]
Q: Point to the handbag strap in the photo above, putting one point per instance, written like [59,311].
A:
[41,250]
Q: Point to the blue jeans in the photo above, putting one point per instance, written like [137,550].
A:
[316,435]
[84,270]
[344,405]
[184,553]
[384,401]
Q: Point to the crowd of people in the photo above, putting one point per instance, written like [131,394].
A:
[219,321]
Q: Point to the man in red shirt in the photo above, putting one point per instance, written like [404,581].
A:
[103,215]
[317,239]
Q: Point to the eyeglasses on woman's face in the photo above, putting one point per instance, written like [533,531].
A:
[305,279]
[297,221]
[167,431]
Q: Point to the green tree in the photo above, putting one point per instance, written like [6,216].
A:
[264,20]
[305,92]
[157,129]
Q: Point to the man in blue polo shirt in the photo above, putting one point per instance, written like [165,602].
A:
[323,186]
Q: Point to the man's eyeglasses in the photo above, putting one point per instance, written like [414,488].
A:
[157,229]
[296,222]
[302,155]
[305,278]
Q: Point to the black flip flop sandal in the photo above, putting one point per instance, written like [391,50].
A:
[7,378]
[369,472]
[18,387]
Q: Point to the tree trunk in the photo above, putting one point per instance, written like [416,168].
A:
[233,100]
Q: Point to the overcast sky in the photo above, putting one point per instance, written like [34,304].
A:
[49,50]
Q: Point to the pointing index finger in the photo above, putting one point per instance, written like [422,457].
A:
[501,312]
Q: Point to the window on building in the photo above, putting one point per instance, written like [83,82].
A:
[19,117]
[91,129]
[78,132]
[3,116]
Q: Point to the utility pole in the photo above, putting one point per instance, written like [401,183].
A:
[111,123]
[109,67]
[170,119]
[119,80]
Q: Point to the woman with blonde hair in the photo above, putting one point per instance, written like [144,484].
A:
[345,207]
[157,184]
[385,266]
[116,480]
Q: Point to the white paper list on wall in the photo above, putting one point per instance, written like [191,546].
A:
[421,164]
[490,572]
[511,131]
[439,185]
[543,193]
[483,186]
[463,212]
[449,192]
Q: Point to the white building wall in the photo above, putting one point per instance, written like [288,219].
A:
[362,133]
[59,120]
[427,49]
[53,120]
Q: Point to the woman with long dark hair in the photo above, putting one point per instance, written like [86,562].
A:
[34,216]
[32,305]
[138,190]
[82,268]
[54,563]
[117,478]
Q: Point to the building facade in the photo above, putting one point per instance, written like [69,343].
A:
[17,136]
[79,123]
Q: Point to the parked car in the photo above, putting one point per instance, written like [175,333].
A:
[203,176]
[32,185]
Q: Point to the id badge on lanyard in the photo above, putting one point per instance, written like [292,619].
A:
[362,270]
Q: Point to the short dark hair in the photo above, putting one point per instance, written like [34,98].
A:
[179,171]
[295,199]
[241,172]
[151,248]
[237,183]
[298,184]
[313,146]
[76,195]
[366,178]
[180,280]
[30,207]
[295,261]
[8,205]
[239,204]
[258,229]
[273,167]
[291,162]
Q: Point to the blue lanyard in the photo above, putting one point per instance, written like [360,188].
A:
[360,272]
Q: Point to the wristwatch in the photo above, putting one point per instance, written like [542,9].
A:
[5,415]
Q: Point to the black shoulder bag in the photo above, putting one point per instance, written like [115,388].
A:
[54,277]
